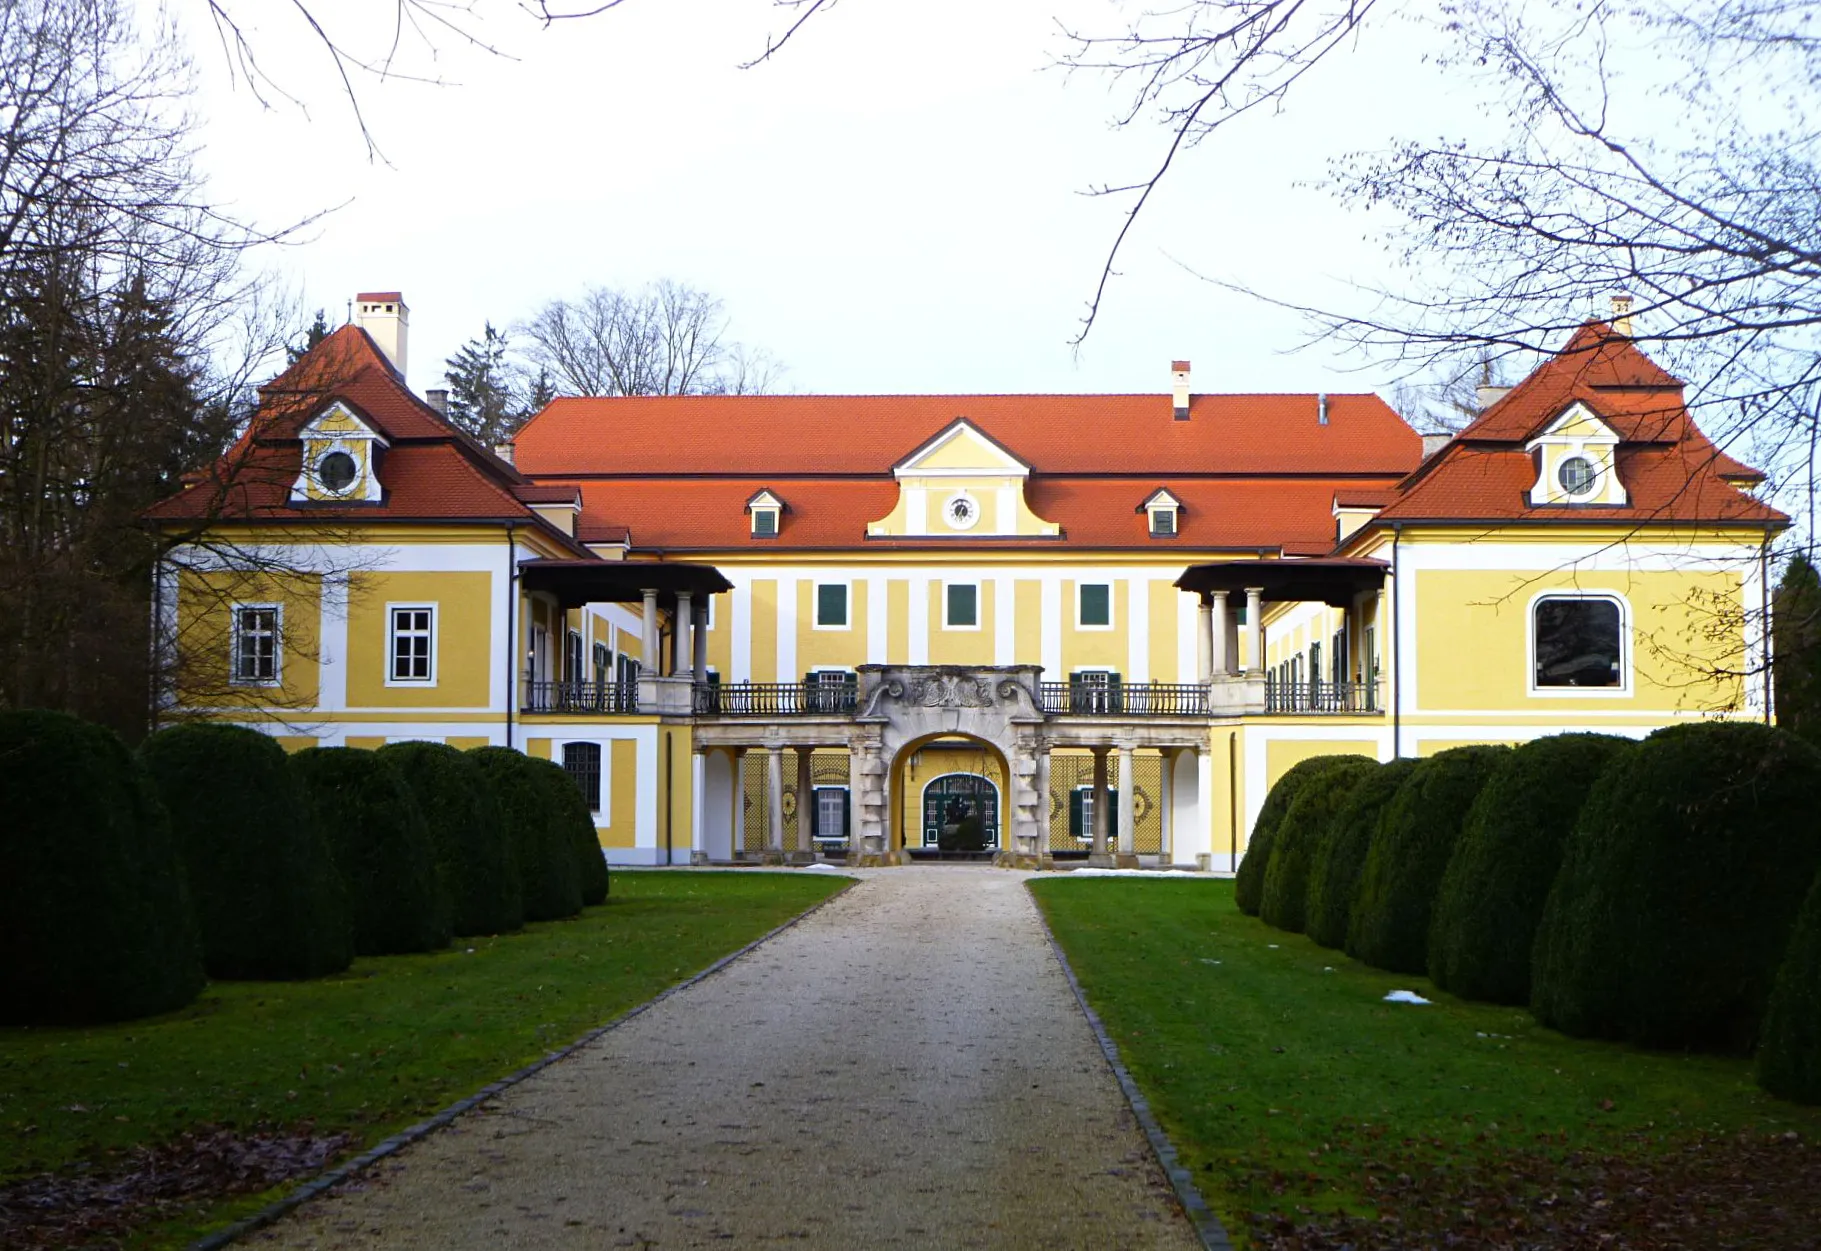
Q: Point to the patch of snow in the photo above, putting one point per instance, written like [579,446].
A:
[823,868]
[1404,996]
[1205,960]
[1272,946]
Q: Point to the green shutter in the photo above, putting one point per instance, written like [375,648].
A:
[831,604]
[1096,603]
[1075,813]
[847,813]
[1115,695]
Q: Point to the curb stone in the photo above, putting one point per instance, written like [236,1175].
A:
[1208,1228]
[423,1129]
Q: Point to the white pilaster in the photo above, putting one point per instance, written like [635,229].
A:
[919,619]
[1138,628]
[1005,635]
[1049,629]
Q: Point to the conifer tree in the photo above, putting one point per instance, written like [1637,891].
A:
[1796,670]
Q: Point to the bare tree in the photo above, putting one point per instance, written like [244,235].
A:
[668,339]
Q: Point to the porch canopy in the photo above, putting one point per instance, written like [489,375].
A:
[578,582]
[1333,580]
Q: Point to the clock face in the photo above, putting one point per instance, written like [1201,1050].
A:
[961,511]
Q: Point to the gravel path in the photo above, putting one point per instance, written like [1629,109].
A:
[906,1068]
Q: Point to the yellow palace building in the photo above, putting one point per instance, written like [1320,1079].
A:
[877,628]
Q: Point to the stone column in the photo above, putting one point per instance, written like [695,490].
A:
[679,635]
[737,823]
[774,799]
[699,652]
[1207,646]
[1097,853]
[698,814]
[1127,812]
[1043,799]
[1217,631]
[869,776]
[1255,627]
[1166,806]
[649,665]
[806,804]
[1232,643]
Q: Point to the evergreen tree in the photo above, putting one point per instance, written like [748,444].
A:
[318,331]
[1796,670]
[481,395]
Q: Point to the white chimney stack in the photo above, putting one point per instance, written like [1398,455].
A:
[1621,314]
[383,315]
[1179,385]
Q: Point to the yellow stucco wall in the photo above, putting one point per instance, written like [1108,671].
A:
[830,646]
[765,633]
[463,641]
[622,824]
[961,645]
[1096,648]
[205,635]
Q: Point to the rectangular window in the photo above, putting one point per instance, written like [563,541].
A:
[764,523]
[831,605]
[603,664]
[1093,605]
[1163,523]
[1094,691]
[572,659]
[830,820]
[256,644]
[628,668]
[413,643]
[831,690]
[582,761]
[963,606]
[1577,642]
[1081,813]
[1369,653]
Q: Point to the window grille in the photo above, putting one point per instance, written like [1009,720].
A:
[256,644]
[582,761]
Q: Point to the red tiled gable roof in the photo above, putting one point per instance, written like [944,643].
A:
[795,435]
[1671,471]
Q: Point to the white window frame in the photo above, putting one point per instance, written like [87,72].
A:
[278,645]
[1624,688]
[392,636]
[815,792]
[1112,613]
[777,521]
[1170,510]
[815,604]
[979,604]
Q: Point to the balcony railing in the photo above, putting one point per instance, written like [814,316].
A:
[588,697]
[1129,699]
[1318,696]
[776,699]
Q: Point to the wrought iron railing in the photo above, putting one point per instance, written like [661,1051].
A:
[1128,699]
[776,699]
[1318,696]
[593,697]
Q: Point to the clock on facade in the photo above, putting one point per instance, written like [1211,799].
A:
[961,511]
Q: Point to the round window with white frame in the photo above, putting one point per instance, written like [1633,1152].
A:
[1578,475]
[337,472]
[961,512]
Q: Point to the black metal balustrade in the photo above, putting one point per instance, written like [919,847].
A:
[1317,696]
[1128,699]
[776,699]
[582,697]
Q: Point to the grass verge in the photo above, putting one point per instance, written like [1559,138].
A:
[1314,1114]
[373,1050]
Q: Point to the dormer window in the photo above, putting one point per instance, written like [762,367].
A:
[1161,510]
[1577,462]
[766,510]
[341,459]
[337,472]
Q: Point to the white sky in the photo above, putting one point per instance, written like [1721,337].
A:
[892,205]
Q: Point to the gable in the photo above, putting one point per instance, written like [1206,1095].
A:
[341,457]
[961,449]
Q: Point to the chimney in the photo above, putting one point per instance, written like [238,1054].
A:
[1486,397]
[1435,442]
[383,315]
[503,451]
[438,398]
[1621,314]
[1321,409]
[1179,385]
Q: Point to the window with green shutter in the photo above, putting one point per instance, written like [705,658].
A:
[1081,812]
[963,605]
[831,604]
[1093,604]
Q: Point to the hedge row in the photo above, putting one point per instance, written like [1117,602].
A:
[1664,892]
[1249,883]
[124,879]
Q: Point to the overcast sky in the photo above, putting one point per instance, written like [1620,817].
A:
[894,204]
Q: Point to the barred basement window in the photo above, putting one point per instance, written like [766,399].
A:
[582,761]
[256,645]
[413,632]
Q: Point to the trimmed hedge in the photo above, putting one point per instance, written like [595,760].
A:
[549,870]
[1679,886]
[1492,895]
[469,836]
[576,825]
[382,847]
[269,901]
[95,918]
[1340,858]
[1303,831]
[1403,870]
[1789,1049]
[1249,881]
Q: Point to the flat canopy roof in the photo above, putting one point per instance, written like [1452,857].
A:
[578,582]
[1333,580]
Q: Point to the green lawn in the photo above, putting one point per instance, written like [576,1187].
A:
[383,1045]
[1289,1086]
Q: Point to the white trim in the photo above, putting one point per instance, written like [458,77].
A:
[979,606]
[1112,612]
[1005,635]
[391,654]
[1622,690]
[278,642]
[1049,623]
[788,621]
[878,619]
[604,793]
[1138,627]
[917,641]
[740,654]
[847,603]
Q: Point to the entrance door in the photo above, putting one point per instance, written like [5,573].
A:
[951,800]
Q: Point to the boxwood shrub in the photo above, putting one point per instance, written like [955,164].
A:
[380,844]
[268,898]
[469,835]
[576,825]
[95,918]
[1249,881]
[548,868]
[1339,859]
[1304,829]
[1403,870]
[1492,895]
[1679,885]
[1789,1048]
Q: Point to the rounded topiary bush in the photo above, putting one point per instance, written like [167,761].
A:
[576,825]
[1302,832]
[1789,1047]
[1249,880]
[1678,888]
[469,835]
[269,901]
[382,848]
[548,868]
[1403,870]
[1339,859]
[1492,895]
[95,918]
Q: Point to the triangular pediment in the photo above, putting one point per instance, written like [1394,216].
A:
[962,449]
[1576,422]
[339,420]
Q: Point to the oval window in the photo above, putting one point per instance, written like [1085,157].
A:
[1577,475]
[337,472]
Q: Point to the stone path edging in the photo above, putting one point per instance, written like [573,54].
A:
[405,1137]
[1208,1228]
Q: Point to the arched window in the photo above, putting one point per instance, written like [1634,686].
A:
[1577,641]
